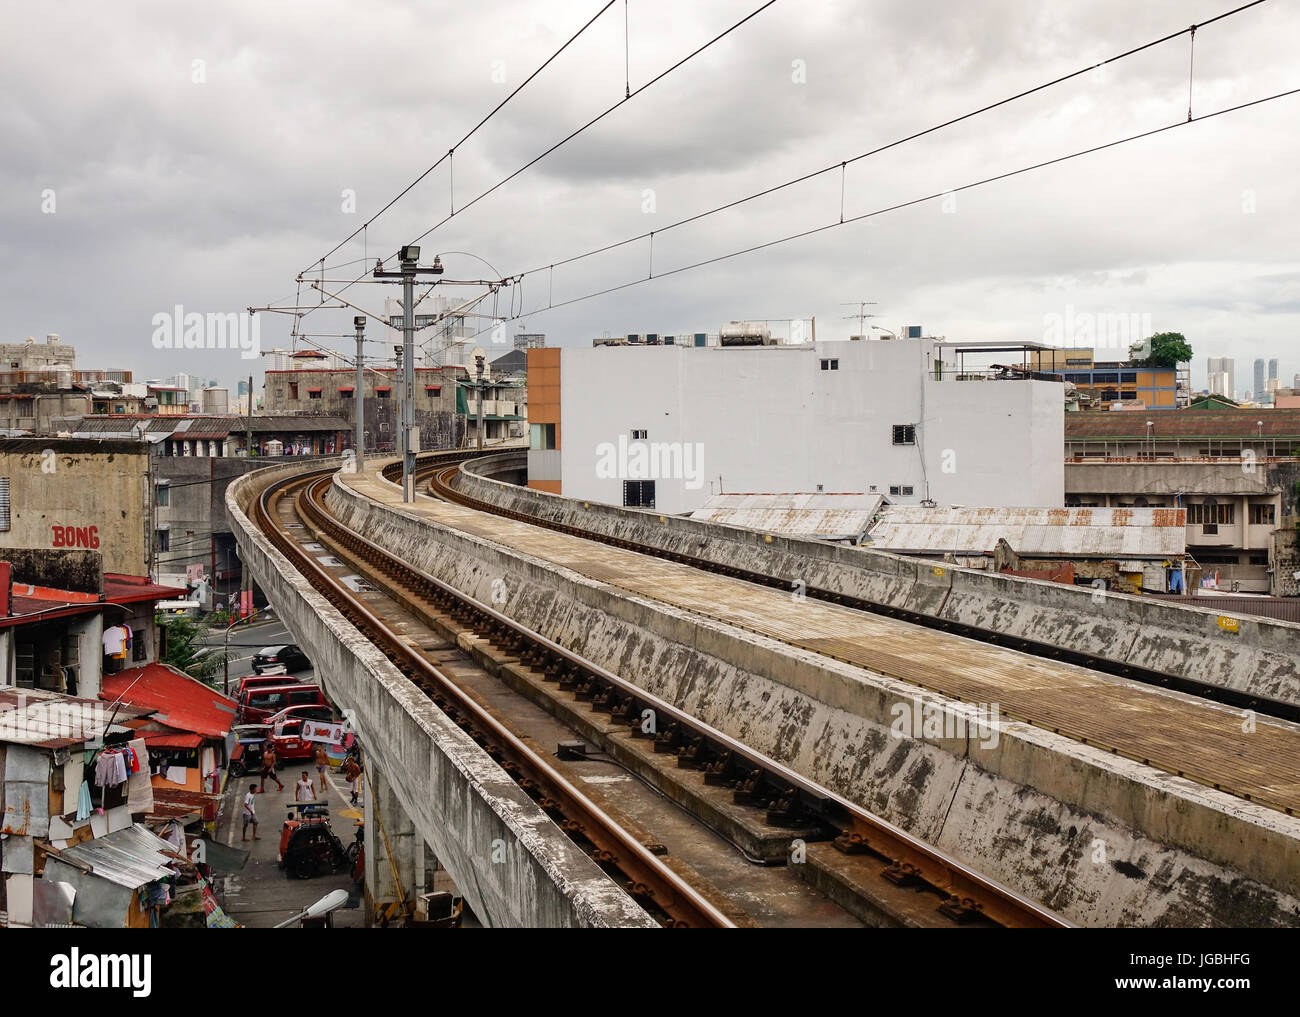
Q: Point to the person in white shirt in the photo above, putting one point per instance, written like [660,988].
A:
[304,790]
[250,812]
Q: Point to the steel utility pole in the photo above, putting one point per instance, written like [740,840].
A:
[478,368]
[408,257]
[359,397]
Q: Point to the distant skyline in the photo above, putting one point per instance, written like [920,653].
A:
[176,160]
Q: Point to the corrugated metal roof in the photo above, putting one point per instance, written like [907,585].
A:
[1249,422]
[827,516]
[1073,532]
[131,858]
[180,701]
[50,720]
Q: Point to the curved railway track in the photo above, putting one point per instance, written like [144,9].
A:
[645,878]
[1130,722]
[440,482]
[786,798]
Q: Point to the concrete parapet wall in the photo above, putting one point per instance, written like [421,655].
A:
[1253,655]
[512,863]
[1101,839]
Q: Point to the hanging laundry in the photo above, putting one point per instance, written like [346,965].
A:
[84,806]
[110,768]
[114,641]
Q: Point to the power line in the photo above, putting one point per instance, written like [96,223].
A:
[406,190]
[906,204]
[630,95]
[843,164]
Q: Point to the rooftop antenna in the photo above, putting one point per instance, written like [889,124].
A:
[862,314]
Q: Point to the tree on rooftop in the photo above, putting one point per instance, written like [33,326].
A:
[1164,349]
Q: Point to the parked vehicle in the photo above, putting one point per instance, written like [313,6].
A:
[288,656]
[257,681]
[304,711]
[308,844]
[260,704]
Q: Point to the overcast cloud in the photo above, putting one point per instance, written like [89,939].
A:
[214,194]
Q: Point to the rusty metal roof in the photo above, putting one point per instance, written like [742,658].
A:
[49,720]
[131,858]
[838,516]
[1249,422]
[1047,532]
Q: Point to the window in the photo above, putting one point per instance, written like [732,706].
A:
[1128,377]
[640,434]
[907,491]
[345,393]
[1262,515]
[313,393]
[830,365]
[163,539]
[904,434]
[541,436]
[162,496]
[900,490]
[1128,395]
[1078,362]
[293,390]
[1109,394]
[639,493]
[1106,378]
[383,393]
[1210,515]
[4,503]
[137,645]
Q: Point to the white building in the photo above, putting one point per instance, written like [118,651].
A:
[669,426]
[1221,376]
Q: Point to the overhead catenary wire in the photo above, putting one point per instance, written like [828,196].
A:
[469,134]
[813,231]
[844,163]
[629,96]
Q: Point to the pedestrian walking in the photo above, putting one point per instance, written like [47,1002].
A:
[322,763]
[352,771]
[249,812]
[304,790]
[268,768]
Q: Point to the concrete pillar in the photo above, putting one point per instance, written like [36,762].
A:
[389,829]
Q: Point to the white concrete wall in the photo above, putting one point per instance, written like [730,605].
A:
[768,419]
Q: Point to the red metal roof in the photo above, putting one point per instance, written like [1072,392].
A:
[124,589]
[28,601]
[181,702]
[170,740]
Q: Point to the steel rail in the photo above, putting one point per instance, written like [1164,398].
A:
[791,799]
[647,879]
[1265,705]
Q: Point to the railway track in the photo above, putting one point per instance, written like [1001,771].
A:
[645,878]
[782,797]
[440,479]
[1132,722]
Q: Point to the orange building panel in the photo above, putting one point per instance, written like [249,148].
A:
[549,486]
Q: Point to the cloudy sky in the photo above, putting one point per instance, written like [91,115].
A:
[158,155]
